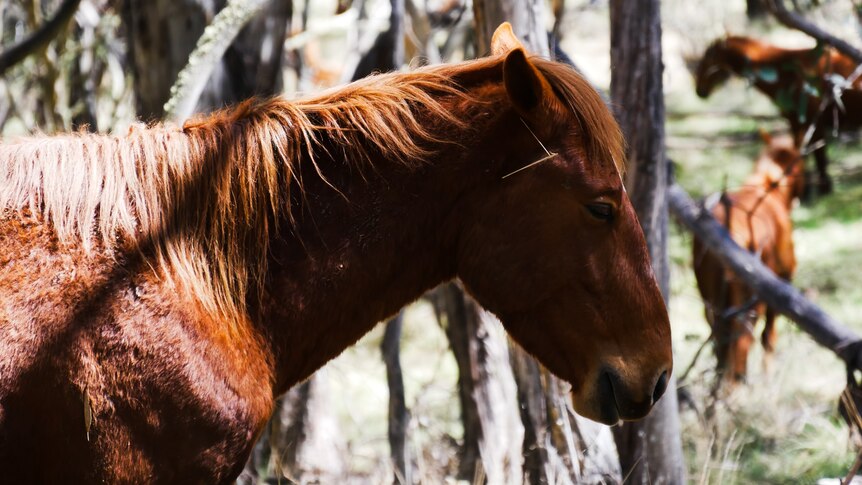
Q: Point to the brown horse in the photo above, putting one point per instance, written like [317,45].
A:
[158,290]
[758,220]
[795,80]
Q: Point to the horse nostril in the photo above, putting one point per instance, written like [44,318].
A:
[660,387]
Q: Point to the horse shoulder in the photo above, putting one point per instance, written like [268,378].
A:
[109,366]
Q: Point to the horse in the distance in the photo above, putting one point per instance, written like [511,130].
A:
[797,81]
[757,216]
[159,290]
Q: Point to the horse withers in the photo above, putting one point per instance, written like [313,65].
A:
[757,216]
[159,289]
[797,81]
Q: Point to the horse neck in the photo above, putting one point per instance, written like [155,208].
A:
[363,247]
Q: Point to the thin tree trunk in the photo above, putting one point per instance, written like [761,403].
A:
[304,442]
[399,417]
[650,450]
[86,72]
[486,389]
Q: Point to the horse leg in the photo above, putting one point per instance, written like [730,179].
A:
[768,338]
[720,338]
[741,340]
[824,182]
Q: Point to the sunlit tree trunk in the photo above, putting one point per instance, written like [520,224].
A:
[486,389]
[650,450]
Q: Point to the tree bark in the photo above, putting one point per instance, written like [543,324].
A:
[486,389]
[650,450]
[304,442]
[162,33]
[86,72]
[526,16]
[254,60]
[554,446]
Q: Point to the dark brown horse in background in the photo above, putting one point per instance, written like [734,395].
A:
[158,290]
[758,219]
[796,80]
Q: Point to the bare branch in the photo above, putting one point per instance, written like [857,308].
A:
[778,294]
[796,21]
[40,38]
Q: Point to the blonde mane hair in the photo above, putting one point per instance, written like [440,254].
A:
[204,199]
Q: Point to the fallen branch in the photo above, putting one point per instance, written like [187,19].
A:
[796,21]
[40,38]
[775,292]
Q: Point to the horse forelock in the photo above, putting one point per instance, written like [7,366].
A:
[601,135]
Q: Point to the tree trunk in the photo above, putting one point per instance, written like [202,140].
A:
[399,417]
[554,446]
[304,435]
[86,71]
[486,389]
[162,33]
[526,16]
[650,450]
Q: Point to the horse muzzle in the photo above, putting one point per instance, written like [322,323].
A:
[619,400]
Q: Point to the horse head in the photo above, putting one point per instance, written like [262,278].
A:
[712,71]
[781,166]
[553,247]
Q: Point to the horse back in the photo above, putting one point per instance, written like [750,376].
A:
[761,225]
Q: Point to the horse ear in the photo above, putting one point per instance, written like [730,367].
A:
[764,135]
[527,87]
[504,40]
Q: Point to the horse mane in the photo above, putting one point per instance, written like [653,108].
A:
[201,201]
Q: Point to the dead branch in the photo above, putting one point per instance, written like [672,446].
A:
[778,294]
[39,39]
[796,21]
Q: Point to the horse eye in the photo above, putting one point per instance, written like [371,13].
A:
[601,211]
